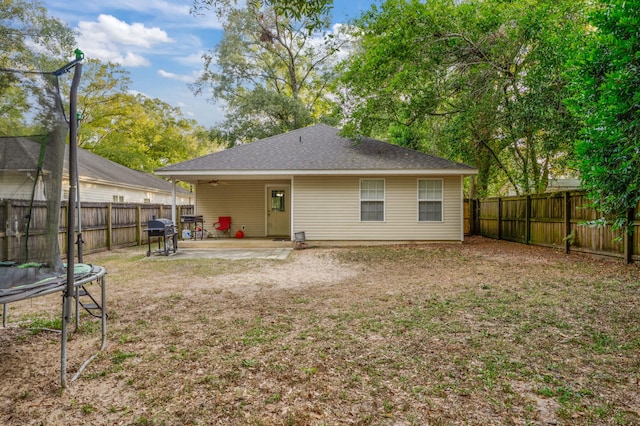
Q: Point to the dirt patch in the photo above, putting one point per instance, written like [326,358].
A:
[485,332]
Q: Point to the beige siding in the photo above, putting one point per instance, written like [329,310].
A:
[328,208]
[243,200]
[19,187]
[103,193]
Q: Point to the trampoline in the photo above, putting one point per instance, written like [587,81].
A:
[34,126]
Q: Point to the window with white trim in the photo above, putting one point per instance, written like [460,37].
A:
[372,200]
[430,200]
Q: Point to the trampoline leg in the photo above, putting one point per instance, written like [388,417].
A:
[66,307]
[103,282]
[103,287]
[77,296]
[4,314]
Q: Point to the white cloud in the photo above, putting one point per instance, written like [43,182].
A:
[111,29]
[193,60]
[137,92]
[164,7]
[110,39]
[188,78]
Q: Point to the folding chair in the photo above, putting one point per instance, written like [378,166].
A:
[223,226]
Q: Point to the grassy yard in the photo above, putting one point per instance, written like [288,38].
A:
[481,333]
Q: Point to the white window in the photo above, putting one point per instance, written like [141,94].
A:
[372,200]
[430,200]
[118,198]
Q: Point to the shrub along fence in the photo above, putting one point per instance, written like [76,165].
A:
[105,226]
[558,220]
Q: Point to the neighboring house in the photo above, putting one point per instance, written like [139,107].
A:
[100,180]
[563,184]
[331,188]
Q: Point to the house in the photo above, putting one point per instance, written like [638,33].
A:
[100,180]
[315,181]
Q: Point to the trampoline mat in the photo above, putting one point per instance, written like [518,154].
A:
[17,283]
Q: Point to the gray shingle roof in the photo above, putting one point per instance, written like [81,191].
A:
[20,153]
[315,148]
[93,166]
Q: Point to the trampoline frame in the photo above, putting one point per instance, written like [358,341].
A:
[97,275]
[70,285]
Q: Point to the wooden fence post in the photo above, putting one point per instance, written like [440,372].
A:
[5,240]
[473,216]
[567,222]
[527,220]
[499,218]
[139,225]
[109,226]
[628,236]
[474,224]
[476,215]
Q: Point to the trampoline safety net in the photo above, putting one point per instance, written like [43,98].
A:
[33,132]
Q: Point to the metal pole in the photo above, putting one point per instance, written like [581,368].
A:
[79,241]
[73,178]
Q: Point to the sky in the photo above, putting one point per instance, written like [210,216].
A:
[160,43]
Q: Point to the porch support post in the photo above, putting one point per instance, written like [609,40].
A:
[293,208]
[173,201]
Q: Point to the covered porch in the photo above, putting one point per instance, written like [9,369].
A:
[260,208]
[245,243]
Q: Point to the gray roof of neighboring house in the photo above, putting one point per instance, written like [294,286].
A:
[21,154]
[316,148]
[93,166]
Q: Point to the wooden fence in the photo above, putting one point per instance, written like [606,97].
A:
[105,226]
[555,220]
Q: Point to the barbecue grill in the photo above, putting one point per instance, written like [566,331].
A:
[189,219]
[165,231]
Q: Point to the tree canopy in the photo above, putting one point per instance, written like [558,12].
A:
[476,81]
[271,74]
[606,100]
[133,130]
[139,132]
[312,12]
[30,38]
[524,90]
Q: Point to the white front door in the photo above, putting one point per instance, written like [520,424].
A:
[278,217]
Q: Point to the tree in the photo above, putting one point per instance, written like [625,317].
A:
[30,39]
[475,81]
[103,99]
[311,10]
[271,75]
[606,99]
[133,130]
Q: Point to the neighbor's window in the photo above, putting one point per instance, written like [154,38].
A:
[118,198]
[372,200]
[430,200]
